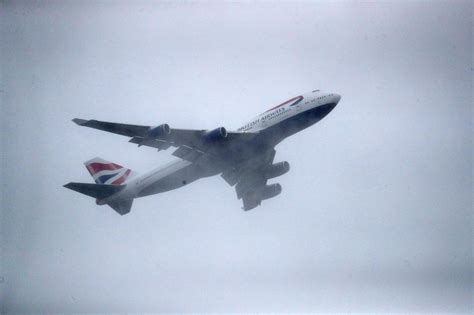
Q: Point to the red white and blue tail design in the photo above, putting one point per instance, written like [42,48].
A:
[105,172]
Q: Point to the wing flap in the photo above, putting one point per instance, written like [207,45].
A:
[231,176]
[154,143]
[188,153]
[250,201]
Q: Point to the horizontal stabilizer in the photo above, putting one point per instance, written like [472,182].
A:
[98,191]
[122,207]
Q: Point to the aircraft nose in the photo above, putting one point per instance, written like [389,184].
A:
[337,98]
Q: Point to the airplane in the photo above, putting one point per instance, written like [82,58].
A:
[243,158]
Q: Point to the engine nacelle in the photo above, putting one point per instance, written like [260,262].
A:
[271,191]
[277,169]
[215,135]
[158,131]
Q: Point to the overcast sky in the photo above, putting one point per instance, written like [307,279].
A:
[375,214]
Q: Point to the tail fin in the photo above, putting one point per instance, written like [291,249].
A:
[105,172]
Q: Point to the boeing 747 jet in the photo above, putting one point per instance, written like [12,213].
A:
[243,158]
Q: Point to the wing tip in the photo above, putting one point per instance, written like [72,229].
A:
[69,185]
[80,121]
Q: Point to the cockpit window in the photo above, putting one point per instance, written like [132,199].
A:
[314,91]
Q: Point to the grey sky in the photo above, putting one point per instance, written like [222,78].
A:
[375,214]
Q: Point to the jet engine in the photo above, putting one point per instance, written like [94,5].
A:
[277,169]
[158,131]
[270,191]
[215,135]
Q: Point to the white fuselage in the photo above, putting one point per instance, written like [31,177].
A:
[286,110]
[179,173]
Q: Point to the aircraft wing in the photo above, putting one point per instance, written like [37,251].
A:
[249,179]
[120,129]
[190,142]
